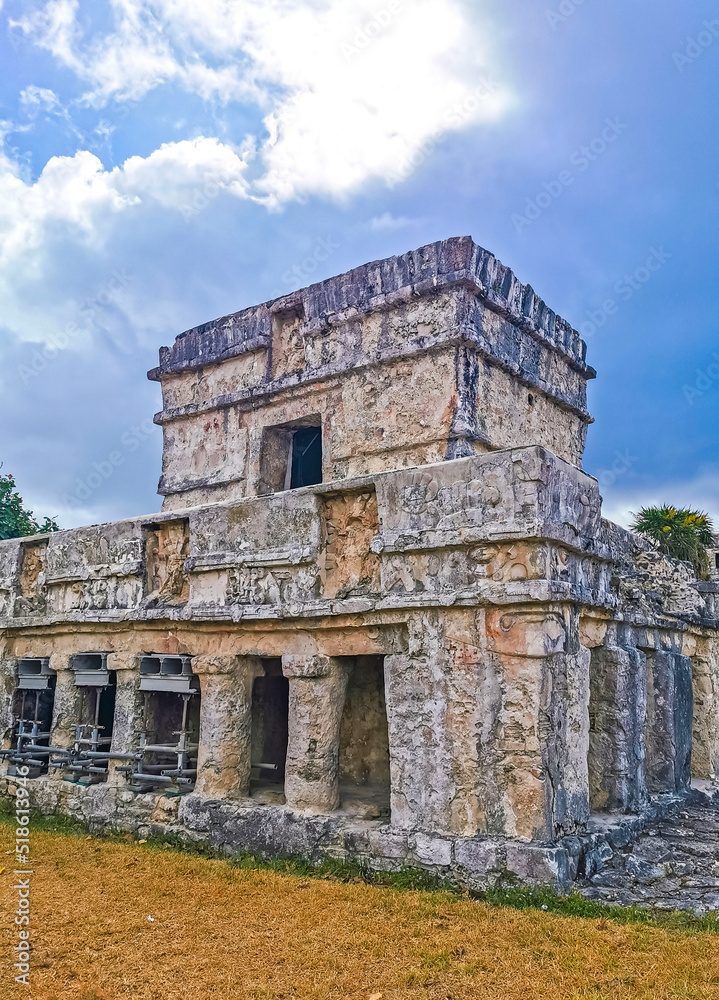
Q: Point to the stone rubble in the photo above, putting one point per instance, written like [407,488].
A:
[674,865]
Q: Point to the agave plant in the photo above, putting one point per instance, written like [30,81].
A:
[681,533]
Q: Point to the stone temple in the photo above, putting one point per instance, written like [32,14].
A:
[379,616]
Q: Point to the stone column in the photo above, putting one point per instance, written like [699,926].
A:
[705,678]
[421,690]
[224,755]
[129,704]
[669,720]
[318,685]
[542,729]
[67,704]
[617,718]
[8,684]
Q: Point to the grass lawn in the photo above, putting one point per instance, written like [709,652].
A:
[222,931]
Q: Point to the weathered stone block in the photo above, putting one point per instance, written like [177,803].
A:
[432,850]
[388,843]
[479,857]
[539,865]
[617,712]
[317,693]
[295,665]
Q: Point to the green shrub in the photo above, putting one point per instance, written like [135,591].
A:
[15,520]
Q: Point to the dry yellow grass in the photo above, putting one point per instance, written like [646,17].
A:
[220,932]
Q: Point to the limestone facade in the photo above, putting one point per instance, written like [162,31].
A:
[436,652]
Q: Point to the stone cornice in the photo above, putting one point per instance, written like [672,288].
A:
[381,285]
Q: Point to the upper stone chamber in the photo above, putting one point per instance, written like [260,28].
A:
[435,354]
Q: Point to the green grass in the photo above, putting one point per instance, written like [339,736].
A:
[575,905]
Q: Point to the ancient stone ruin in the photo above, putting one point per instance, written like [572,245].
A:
[379,615]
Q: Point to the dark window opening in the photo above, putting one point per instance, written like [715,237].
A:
[32,722]
[291,455]
[93,734]
[270,717]
[306,467]
[170,739]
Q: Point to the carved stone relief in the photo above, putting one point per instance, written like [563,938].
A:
[166,548]
[32,597]
[273,585]
[348,567]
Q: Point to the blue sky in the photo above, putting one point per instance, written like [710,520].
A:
[164,163]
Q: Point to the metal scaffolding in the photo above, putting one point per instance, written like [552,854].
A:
[172,765]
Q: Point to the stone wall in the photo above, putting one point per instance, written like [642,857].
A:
[448,356]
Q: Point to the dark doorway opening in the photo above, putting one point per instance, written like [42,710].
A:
[98,709]
[93,733]
[106,714]
[270,726]
[170,740]
[364,741]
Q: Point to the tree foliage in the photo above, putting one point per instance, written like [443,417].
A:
[678,531]
[15,520]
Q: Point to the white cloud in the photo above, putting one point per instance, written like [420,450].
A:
[75,190]
[53,27]
[77,200]
[34,99]
[387,223]
[351,90]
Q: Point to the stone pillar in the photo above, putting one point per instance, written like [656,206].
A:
[224,755]
[542,730]
[422,687]
[705,683]
[8,684]
[129,703]
[66,706]
[617,715]
[669,720]
[488,724]
[318,685]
